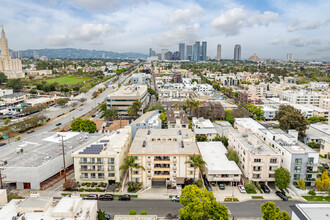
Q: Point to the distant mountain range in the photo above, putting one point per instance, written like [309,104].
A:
[72,53]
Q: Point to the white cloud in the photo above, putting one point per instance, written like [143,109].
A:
[299,25]
[231,21]
[97,5]
[299,42]
[56,40]
[275,41]
[184,15]
[181,33]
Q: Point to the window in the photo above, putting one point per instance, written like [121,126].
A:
[191,172]
[256,176]
[111,160]
[298,161]
[111,168]
[99,160]
[255,168]
[310,160]
[93,176]
[297,169]
[83,168]
[257,160]
[271,175]
[111,174]
[83,160]
[272,168]
[135,172]
[84,175]
[296,177]
[273,160]
[191,165]
[100,176]
[149,171]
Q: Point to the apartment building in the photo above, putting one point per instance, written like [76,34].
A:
[100,161]
[302,97]
[177,119]
[246,97]
[204,127]
[140,78]
[297,157]
[318,112]
[147,120]
[269,112]
[224,171]
[124,97]
[163,153]
[319,133]
[4,92]
[325,104]
[257,160]
[256,89]
[173,93]
[228,80]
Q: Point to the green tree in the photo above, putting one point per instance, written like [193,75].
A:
[133,109]
[282,178]
[88,126]
[151,91]
[271,212]
[15,84]
[313,144]
[62,101]
[75,125]
[323,182]
[3,78]
[255,110]
[103,107]
[6,121]
[201,205]
[224,140]
[229,117]
[291,118]
[101,215]
[198,163]
[143,212]
[157,107]
[110,113]
[232,155]
[163,117]
[132,212]
[200,138]
[301,184]
[129,164]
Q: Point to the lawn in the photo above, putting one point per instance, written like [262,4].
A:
[317,198]
[69,80]
[257,197]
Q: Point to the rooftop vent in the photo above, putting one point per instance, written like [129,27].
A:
[3,162]
[180,133]
[19,150]
[182,145]
[149,132]
[144,144]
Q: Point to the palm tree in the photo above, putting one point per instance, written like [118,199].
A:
[198,162]
[110,113]
[130,165]
[176,106]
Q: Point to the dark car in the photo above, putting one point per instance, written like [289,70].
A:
[125,197]
[107,217]
[2,144]
[29,132]
[222,186]
[91,197]
[106,197]
[281,195]
[265,188]
[58,124]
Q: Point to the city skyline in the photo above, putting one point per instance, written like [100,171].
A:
[270,29]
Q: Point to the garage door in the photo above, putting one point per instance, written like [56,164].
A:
[158,183]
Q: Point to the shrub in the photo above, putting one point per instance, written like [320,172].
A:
[144,212]
[235,200]
[70,184]
[259,187]
[83,184]
[199,183]
[97,189]
[89,190]
[312,193]
[81,190]
[132,212]
[102,184]
[228,199]
[250,188]
[88,184]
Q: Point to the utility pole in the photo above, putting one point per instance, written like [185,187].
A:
[1,183]
[64,170]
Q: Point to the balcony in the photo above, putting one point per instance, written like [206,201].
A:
[310,179]
[91,162]
[87,170]
[162,168]
[162,161]
[160,177]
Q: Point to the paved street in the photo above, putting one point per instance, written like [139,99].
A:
[163,207]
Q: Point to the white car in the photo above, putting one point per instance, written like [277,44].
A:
[241,189]
[175,198]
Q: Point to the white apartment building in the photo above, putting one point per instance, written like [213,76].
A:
[228,80]
[100,161]
[204,127]
[256,89]
[218,168]
[319,133]
[42,207]
[325,104]
[257,160]
[173,93]
[318,85]
[29,163]
[302,97]
[163,153]
[6,92]
[177,119]
[147,120]
[269,112]
[298,158]
[317,111]
[124,97]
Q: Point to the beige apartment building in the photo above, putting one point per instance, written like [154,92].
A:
[124,97]
[163,154]
[257,160]
[100,162]
[325,103]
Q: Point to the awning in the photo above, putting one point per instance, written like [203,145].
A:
[180,180]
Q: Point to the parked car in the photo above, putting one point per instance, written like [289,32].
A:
[125,197]
[2,144]
[265,188]
[107,217]
[106,197]
[241,188]
[58,124]
[91,197]
[29,132]
[93,116]
[222,186]
[176,199]
[281,195]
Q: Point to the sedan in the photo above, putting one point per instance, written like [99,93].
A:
[58,124]
[106,197]
[91,197]
[125,197]
[265,188]
[281,195]
[29,132]
[221,186]
[241,188]
[176,199]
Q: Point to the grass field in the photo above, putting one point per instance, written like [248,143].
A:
[317,198]
[69,80]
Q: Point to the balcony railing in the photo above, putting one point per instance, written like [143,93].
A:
[310,179]
[91,162]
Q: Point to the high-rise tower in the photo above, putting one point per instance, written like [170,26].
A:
[218,52]
[237,52]
[181,51]
[204,50]
[196,52]
[189,52]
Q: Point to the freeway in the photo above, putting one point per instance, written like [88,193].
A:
[250,209]
[89,105]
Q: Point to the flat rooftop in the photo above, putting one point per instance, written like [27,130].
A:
[214,154]
[164,142]
[146,117]
[130,90]
[312,211]
[249,123]
[36,150]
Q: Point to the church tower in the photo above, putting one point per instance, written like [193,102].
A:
[4,44]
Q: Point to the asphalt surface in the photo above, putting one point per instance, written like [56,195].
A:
[89,105]
[161,208]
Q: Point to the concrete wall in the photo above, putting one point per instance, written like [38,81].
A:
[3,197]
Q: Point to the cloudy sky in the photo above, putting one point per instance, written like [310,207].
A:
[270,28]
